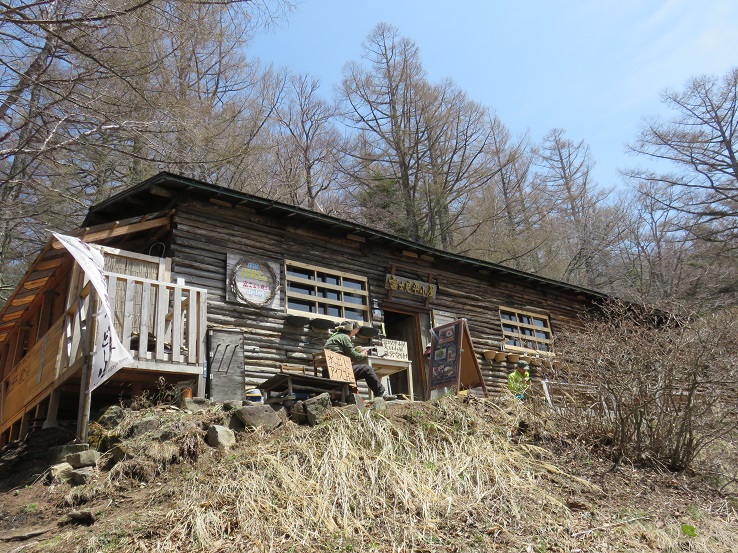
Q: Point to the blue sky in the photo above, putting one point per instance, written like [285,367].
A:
[594,68]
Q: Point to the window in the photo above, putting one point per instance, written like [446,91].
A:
[325,293]
[525,330]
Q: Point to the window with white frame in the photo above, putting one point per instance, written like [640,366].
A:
[325,293]
[525,330]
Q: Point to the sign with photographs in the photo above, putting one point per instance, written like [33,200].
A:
[452,360]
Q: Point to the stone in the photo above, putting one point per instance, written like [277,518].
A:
[59,454]
[194,403]
[81,517]
[220,437]
[143,426]
[112,416]
[379,405]
[83,458]
[232,405]
[297,413]
[255,416]
[83,475]
[282,413]
[316,408]
[119,453]
[235,424]
[356,399]
[351,410]
[60,473]
[165,434]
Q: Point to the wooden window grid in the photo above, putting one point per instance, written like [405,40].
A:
[325,293]
[526,331]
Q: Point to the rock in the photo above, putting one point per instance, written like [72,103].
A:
[255,416]
[235,424]
[352,410]
[282,413]
[108,442]
[60,473]
[379,405]
[120,453]
[231,405]
[355,399]
[165,435]
[194,403]
[59,454]
[316,408]
[297,413]
[83,458]
[220,437]
[83,475]
[81,517]
[112,416]
[139,428]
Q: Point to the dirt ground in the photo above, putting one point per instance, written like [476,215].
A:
[623,508]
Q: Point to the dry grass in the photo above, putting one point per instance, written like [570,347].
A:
[442,476]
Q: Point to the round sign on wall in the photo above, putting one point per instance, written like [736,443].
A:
[253,281]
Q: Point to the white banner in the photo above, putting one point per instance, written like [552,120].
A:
[109,354]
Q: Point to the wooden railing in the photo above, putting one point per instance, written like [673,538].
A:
[158,321]
[172,322]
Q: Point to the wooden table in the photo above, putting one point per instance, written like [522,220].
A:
[285,385]
[385,366]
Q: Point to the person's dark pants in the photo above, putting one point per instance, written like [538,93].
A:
[367,374]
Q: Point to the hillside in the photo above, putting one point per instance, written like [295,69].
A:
[450,475]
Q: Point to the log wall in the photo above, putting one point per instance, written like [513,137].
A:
[203,234]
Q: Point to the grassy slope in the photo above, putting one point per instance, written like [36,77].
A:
[438,476]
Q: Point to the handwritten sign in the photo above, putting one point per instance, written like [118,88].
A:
[395,349]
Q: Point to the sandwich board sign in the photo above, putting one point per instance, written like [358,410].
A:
[452,361]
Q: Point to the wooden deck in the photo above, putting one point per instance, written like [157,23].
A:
[171,317]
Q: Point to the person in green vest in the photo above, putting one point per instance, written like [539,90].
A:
[519,380]
[340,341]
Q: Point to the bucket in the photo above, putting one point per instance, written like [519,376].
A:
[186,393]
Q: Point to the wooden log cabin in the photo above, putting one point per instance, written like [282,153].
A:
[218,290]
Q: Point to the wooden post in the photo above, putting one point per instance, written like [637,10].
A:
[85,394]
[53,409]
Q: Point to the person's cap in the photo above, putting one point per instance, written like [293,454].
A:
[346,326]
[522,364]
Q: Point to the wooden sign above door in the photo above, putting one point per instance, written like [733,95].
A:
[405,289]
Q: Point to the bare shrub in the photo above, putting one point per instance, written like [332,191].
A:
[662,387]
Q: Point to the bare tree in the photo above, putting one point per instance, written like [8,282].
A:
[698,148]
[380,103]
[93,95]
[581,227]
[308,143]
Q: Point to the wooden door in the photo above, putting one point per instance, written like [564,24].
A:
[225,366]
[406,327]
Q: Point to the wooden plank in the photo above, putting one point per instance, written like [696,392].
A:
[177,326]
[202,326]
[162,306]
[114,231]
[128,314]
[143,334]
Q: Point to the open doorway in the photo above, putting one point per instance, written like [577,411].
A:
[408,327]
